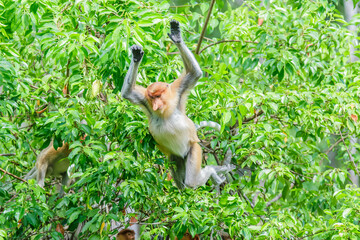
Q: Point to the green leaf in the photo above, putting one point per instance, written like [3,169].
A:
[74,216]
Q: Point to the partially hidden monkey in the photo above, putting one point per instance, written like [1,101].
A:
[164,104]
[187,236]
[51,162]
[126,234]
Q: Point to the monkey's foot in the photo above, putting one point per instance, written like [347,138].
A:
[219,179]
[230,167]
[137,52]
[175,33]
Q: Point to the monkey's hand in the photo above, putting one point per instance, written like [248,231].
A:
[175,33]
[137,52]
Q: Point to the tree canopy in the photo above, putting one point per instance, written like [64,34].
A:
[277,78]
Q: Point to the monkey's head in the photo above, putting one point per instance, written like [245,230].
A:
[158,95]
[187,236]
[126,234]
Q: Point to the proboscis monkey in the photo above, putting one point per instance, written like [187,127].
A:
[51,162]
[126,234]
[164,104]
[187,236]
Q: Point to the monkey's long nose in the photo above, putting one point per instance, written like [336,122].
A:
[157,104]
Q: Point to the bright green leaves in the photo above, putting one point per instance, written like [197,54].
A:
[281,88]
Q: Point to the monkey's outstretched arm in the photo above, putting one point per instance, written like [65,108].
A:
[192,68]
[131,91]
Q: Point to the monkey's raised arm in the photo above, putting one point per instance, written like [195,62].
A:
[192,68]
[131,91]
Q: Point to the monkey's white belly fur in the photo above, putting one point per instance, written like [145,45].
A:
[173,133]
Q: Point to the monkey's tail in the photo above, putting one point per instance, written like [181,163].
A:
[210,124]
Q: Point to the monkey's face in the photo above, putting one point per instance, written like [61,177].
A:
[126,234]
[157,94]
[130,236]
[187,236]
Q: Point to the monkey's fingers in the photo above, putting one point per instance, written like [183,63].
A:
[137,52]
[175,33]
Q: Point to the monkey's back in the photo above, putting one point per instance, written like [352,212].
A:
[55,159]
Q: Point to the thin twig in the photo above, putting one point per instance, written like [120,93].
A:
[269,203]
[299,174]
[180,6]
[350,156]
[156,223]
[246,198]
[253,117]
[29,126]
[14,176]
[261,185]
[224,41]
[172,53]
[7,154]
[32,149]
[206,38]
[334,145]
[204,27]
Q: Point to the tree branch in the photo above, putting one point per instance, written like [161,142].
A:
[14,176]
[246,198]
[350,156]
[261,185]
[7,154]
[246,120]
[335,144]
[204,27]
[269,203]
[224,41]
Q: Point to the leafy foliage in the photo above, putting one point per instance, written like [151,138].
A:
[277,78]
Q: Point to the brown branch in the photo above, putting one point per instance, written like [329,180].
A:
[204,27]
[350,156]
[261,185]
[335,144]
[7,154]
[253,117]
[246,198]
[239,192]
[301,175]
[14,176]
[269,203]
[32,149]
[224,41]
[180,6]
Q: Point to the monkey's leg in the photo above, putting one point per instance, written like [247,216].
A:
[64,182]
[41,174]
[195,176]
[178,170]
[31,174]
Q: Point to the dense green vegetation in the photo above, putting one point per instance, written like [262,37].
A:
[283,90]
